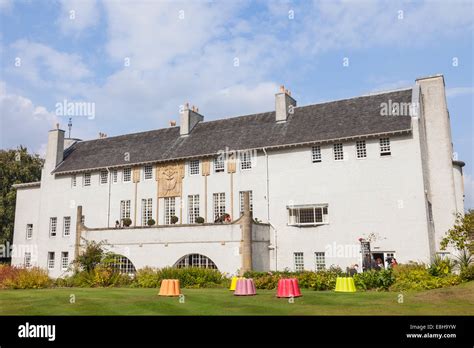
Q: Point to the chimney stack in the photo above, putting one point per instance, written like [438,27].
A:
[189,119]
[284,104]
[55,149]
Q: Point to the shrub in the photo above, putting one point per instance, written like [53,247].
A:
[174,219]
[376,280]
[200,220]
[24,278]
[127,222]
[441,266]
[151,222]
[417,277]
[467,273]
[147,278]
[91,256]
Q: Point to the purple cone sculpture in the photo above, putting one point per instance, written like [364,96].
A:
[245,287]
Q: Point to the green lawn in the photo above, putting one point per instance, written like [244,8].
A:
[457,300]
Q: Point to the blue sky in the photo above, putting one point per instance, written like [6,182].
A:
[186,51]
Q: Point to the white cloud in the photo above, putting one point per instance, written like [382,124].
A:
[459,91]
[45,66]
[78,15]
[23,122]
[6,5]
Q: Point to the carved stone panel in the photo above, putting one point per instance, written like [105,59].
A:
[206,167]
[170,179]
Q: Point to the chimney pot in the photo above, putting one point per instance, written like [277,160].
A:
[172,123]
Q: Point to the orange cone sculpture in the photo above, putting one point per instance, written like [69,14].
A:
[169,287]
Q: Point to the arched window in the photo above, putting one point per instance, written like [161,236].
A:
[122,264]
[195,260]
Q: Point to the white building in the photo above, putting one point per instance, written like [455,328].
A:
[322,176]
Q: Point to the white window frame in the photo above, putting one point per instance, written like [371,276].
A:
[298,261]
[64,260]
[219,204]
[86,179]
[73,180]
[124,209]
[338,150]
[361,149]
[147,210]
[245,159]
[53,226]
[193,208]
[316,154]
[385,147]
[194,167]
[114,175]
[29,231]
[66,226]
[241,201]
[51,259]
[148,172]
[319,260]
[127,174]
[103,176]
[318,210]
[219,164]
[169,209]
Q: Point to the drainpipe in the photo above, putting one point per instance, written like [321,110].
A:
[268,208]
[108,203]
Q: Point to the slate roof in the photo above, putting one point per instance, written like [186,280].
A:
[328,121]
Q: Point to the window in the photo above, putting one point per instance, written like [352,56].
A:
[66,226]
[219,164]
[104,176]
[52,226]
[319,261]
[27,259]
[245,160]
[29,231]
[308,215]
[219,205]
[124,209]
[195,260]
[241,198]
[73,181]
[193,208]
[361,149]
[127,174]
[299,261]
[316,154]
[123,265]
[114,176]
[194,167]
[51,259]
[148,172]
[87,179]
[338,152]
[64,260]
[147,209]
[170,209]
[385,147]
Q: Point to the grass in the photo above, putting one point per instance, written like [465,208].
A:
[458,300]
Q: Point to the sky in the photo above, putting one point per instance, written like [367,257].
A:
[137,62]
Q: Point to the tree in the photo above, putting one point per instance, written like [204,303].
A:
[16,167]
[461,235]
[91,256]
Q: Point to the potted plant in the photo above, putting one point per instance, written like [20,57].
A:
[127,222]
[150,222]
[174,219]
[199,220]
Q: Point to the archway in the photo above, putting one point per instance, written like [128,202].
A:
[195,260]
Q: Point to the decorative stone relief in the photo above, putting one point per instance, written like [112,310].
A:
[170,179]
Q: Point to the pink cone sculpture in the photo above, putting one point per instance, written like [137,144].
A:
[288,288]
[245,287]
